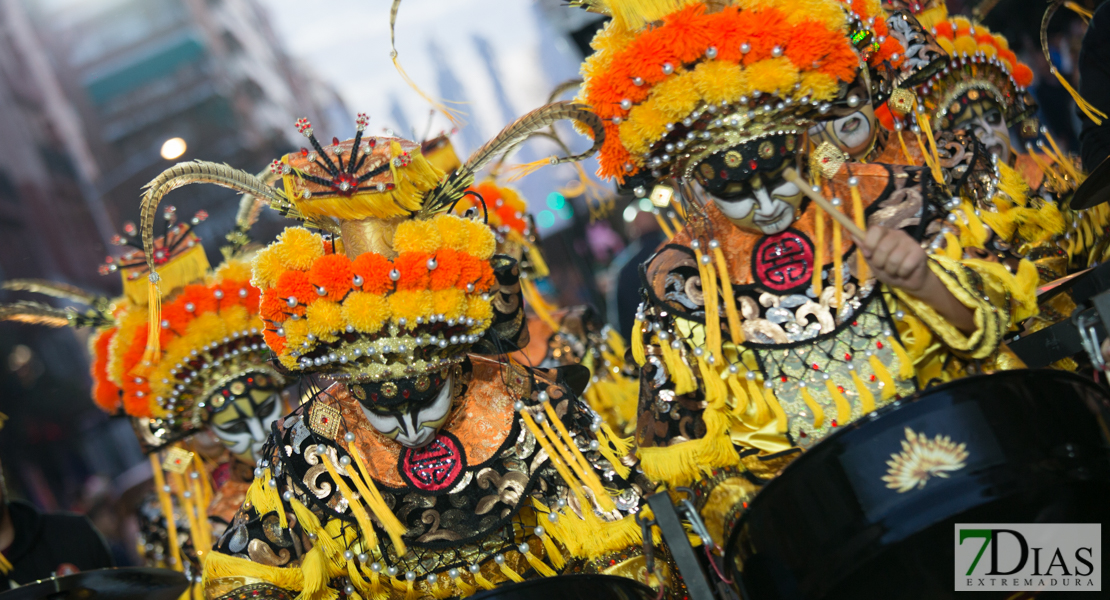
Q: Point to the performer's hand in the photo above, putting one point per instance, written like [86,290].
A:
[895,258]
[899,261]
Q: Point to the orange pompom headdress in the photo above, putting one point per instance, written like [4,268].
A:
[675,81]
[982,67]
[392,285]
[209,330]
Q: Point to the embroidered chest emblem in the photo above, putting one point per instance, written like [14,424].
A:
[434,467]
[783,262]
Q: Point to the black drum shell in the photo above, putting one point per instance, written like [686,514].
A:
[571,587]
[828,527]
[129,583]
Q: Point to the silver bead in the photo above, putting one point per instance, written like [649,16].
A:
[499,559]
[348,555]
[524,548]
[542,396]
[474,568]
[637,81]
[776,51]
[538,531]
[394,274]
[626,104]
[853,181]
[453,573]
[346,460]
[349,436]
[362,558]
[668,68]
[410,575]
[392,571]
[376,567]
[745,48]
[711,52]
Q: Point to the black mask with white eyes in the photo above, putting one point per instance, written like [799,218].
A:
[244,421]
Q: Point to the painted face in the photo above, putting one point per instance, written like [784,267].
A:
[855,134]
[764,203]
[244,423]
[411,425]
[984,119]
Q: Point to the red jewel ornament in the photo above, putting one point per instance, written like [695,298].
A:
[802,433]
[753,165]
[784,378]
[854,323]
[815,367]
[879,345]
[834,423]
[840,389]
[847,356]
[872,378]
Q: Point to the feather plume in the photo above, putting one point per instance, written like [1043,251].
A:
[34,313]
[183,174]
[454,185]
[51,288]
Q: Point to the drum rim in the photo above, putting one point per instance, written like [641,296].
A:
[891,407]
[51,582]
[578,576]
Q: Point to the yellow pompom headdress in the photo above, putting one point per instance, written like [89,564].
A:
[676,81]
[392,285]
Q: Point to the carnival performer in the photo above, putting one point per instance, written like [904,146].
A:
[765,325]
[213,378]
[435,465]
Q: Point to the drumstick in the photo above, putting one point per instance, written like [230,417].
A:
[792,176]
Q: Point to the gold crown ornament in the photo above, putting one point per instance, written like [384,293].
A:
[392,286]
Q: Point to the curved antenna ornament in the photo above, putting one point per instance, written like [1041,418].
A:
[453,186]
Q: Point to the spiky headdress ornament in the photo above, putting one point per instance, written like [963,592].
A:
[396,286]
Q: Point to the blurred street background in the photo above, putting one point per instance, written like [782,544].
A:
[99,96]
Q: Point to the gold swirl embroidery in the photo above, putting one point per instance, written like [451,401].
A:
[261,553]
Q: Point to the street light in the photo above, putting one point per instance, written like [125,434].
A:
[173,148]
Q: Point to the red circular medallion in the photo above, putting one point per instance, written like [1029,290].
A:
[434,467]
[783,262]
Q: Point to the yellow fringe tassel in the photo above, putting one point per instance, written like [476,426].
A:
[819,243]
[556,455]
[866,398]
[441,591]
[482,581]
[1088,109]
[410,590]
[952,247]
[709,293]
[538,565]
[638,343]
[463,586]
[369,538]
[682,464]
[863,272]
[511,574]
[374,500]
[663,225]
[153,352]
[735,331]
[554,554]
[932,155]
[1063,159]
[905,150]
[755,391]
[608,441]
[741,405]
[377,590]
[883,374]
[843,408]
[1080,10]
[539,305]
[780,414]
[814,407]
[716,391]
[219,565]
[585,471]
[167,511]
[187,507]
[265,498]
[358,580]
[905,369]
[679,369]
[5,565]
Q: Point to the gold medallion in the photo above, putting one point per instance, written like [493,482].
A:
[733,159]
[177,460]
[707,171]
[324,420]
[766,149]
[237,388]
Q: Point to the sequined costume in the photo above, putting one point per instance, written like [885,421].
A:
[761,332]
[433,465]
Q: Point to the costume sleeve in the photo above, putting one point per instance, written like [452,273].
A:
[982,287]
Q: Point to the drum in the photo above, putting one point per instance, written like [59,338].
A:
[870,512]
[138,583]
[585,587]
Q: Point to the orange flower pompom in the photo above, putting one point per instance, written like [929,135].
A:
[725,32]
[447,271]
[486,278]
[374,270]
[1008,57]
[470,270]
[944,29]
[202,299]
[273,308]
[1023,75]
[137,405]
[333,273]
[295,284]
[105,393]
[413,267]
[888,49]
[764,29]
[687,27]
[983,36]
[647,54]
[274,341]
[175,318]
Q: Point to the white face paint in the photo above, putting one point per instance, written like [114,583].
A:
[414,429]
[244,425]
[770,212]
